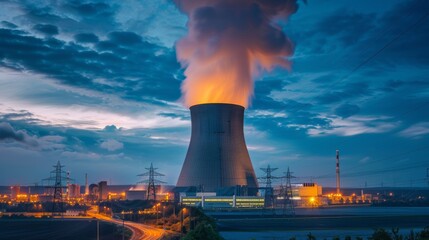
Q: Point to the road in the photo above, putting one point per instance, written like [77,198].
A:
[140,231]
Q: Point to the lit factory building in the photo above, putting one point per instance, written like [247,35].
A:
[303,195]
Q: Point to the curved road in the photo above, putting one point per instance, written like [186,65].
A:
[140,231]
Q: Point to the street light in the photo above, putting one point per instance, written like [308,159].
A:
[181,219]
[156,209]
[163,217]
[123,225]
[98,229]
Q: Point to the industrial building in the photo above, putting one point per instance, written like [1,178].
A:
[303,195]
[308,195]
[73,191]
[217,159]
[210,202]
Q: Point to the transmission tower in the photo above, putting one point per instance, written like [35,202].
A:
[267,179]
[151,174]
[58,177]
[288,206]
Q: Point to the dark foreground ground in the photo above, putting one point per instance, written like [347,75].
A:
[323,223]
[56,229]
[328,218]
[311,223]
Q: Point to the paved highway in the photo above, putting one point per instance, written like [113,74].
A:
[140,231]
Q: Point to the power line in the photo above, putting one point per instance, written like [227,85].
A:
[390,157]
[379,51]
[406,30]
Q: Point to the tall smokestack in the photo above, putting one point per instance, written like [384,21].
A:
[86,184]
[338,172]
[217,155]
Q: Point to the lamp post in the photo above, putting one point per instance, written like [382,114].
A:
[190,219]
[98,229]
[156,209]
[123,226]
[181,219]
[163,217]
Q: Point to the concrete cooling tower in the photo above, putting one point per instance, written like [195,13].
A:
[217,156]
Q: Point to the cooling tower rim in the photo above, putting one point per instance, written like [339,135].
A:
[216,104]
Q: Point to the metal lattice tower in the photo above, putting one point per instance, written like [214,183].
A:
[267,179]
[57,176]
[151,174]
[288,205]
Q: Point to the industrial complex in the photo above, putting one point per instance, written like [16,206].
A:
[217,174]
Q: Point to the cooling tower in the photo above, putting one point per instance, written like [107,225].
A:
[217,156]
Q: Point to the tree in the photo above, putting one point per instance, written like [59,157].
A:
[424,234]
[203,231]
[380,234]
[310,236]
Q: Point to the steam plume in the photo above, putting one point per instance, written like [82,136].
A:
[229,42]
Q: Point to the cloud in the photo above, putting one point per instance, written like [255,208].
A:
[140,73]
[8,24]
[111,145]
[111,128]
[347,26]
[89,9]
[351,90]
[7,132]
[46,29]
[124,38]
[69,15]
[86,38]
[409,18]
[347,110]
[355,125]
[416,130]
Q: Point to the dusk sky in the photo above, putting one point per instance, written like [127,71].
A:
[97,86]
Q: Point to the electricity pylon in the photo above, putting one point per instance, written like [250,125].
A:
[267,179]
[151,174]
[58,176]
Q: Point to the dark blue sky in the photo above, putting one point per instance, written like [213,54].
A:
[96,85]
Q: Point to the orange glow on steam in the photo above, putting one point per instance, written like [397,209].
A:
[229,43]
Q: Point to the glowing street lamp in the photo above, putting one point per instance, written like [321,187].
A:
[163,217]
[181,219]
[156,209]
